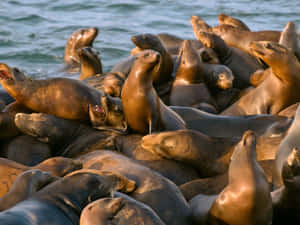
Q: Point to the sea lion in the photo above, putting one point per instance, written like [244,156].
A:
[60,202]
[246,199]
[290,39]
[110,83]
[24,186]
[159,193]
[259,76]
[188,87]
[63,97]
[121,210]
[241,64]
[163,71]
[229,20]
[130,146]
[66,137]
[79,39]
[210,124]
[56,166]
[278,90]
[285,199]
[143,110]
[242,39]
[31,153]
[90,62]
[286,146]
[191,147]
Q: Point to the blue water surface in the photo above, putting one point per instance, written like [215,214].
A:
[33,33]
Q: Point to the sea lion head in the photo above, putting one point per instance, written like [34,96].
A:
[228,20]
[291,170]
[148,41]
[274,54]
[224,77]
[114,180]
[199,24]
[109,115]
[90,62]
[246,148]
[79,39]
[10,75]
[101,211]
[146,61]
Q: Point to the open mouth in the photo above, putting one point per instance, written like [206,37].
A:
[100,111]
[4,75]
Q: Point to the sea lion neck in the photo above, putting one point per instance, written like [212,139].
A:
[191,67]
[243,158]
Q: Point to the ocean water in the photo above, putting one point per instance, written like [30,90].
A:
[33,33]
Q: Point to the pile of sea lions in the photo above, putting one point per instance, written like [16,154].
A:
[182,132]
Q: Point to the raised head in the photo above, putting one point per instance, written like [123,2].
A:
[79,39]
[90,62]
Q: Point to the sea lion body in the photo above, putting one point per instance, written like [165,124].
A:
[56,166]
[188,87]
[246,199]
[121,210]
[152,189]
[241,64]
[63,97]
[278,90]
[60,202]
[210,124]
[143,110]
[24,186]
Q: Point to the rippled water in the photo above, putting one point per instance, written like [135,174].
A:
[33,33]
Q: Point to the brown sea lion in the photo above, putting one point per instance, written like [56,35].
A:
[60,202]
[290,39]
[121,210]
[26,150]
[79,39]
[24,186]
[285,148]
[191,147]
[90,62]
[210,124]
[285,199]
[130,146]
[278,90]
[152,189]
[188,87]
[242,39]
[67,138]
[163,71]
[110,83]
[225,19]
[63,97]
[246,199]
[241,64]
[57,166]
[143,110]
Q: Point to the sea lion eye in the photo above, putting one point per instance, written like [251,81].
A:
[222,76]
